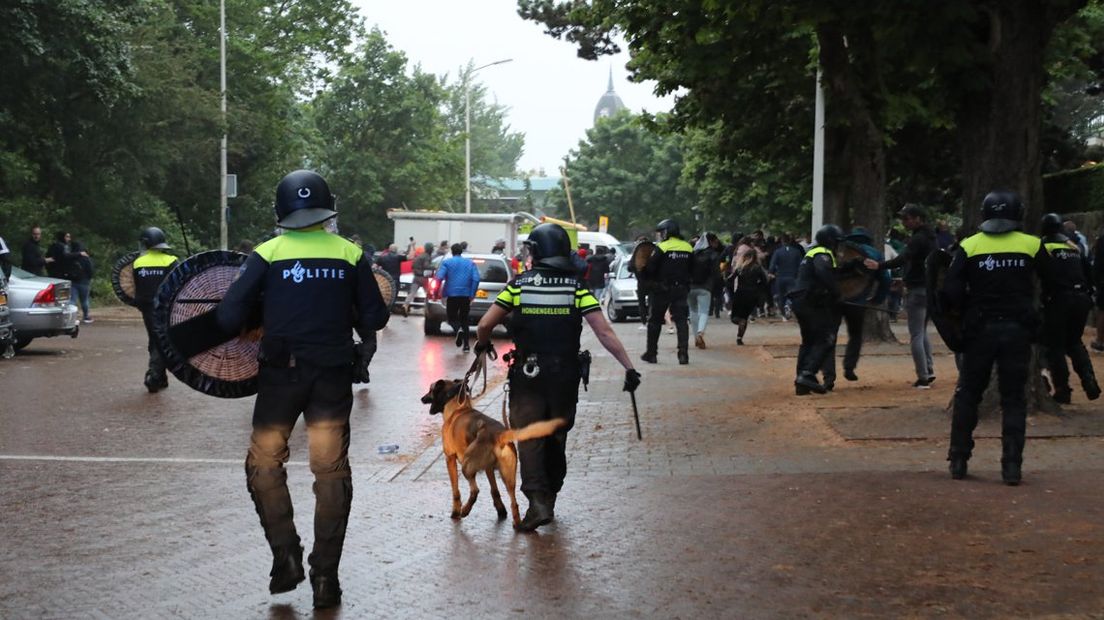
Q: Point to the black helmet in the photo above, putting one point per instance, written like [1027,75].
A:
[1051,224]
[828,236]
[153,238]
[668,228]
[303,199]
[1001,212]
[550,246]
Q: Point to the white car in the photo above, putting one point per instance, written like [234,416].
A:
[619,298]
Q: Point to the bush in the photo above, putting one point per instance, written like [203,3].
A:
[1075,191]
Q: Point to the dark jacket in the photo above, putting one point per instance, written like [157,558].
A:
[391,262]
[785,260]
[816,279]
[912,257]
[66,263]
[598,266]
[992,277]
[34,260]
[1069,270]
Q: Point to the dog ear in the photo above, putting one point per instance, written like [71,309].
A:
[453,389]
[434,389]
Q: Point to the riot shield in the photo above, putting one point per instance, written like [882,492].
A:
[947,322]
[854,282]
[641,254]
[198,352]
[389,288]
[122,278]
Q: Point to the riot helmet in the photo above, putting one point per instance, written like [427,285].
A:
[153,238]
[828,236]
[303,199]
[549,246]
[1051,224]
[1001,212]
[668,228]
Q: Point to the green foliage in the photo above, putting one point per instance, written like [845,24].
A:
[1075,191]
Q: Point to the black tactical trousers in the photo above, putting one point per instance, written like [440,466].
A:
[457,310]
[553,393]
[659,302]
[1008,345]
[156,362]
[1064,323]
[852,317]
[324,396]
[819,324]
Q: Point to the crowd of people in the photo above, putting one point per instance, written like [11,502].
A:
[64,258]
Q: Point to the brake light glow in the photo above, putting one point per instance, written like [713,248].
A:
[46,296]
[434,284]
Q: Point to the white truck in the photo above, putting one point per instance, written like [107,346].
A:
[480,230]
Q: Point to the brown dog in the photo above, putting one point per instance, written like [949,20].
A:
[479,443]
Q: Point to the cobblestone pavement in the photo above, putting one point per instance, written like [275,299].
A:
[741,501]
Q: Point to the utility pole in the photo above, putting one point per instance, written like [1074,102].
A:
[223,243]
[818,159]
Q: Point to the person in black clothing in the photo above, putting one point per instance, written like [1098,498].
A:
[783,266]
[64,261]
[5,259]
[815,299]
[748,290]
[82,280]
[312,288]
[1098,282]
[150,268]
[669,266]
[991,282]
[34,260]
[546,306]
[1067,300]
[912,258]
[598,265]
[391,261]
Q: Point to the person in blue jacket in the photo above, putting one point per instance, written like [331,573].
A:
[461,280]
[852,311]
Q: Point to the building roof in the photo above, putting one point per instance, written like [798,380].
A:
[610,103]
[536,184]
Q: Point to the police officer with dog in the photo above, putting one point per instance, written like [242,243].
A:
[1067,300]
[312,288]
[545,307]
[991,282]
[150,268]
[669,266]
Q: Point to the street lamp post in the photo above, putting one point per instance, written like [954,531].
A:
[223,242]
[467,130]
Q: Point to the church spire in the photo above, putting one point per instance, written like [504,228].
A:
[610,89]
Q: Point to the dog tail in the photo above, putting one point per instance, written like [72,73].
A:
[535,430]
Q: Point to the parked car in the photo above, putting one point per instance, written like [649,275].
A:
[7,332]
[405,282]
[620,297]
[494,273]
[40,307]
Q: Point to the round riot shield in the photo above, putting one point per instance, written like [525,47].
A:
[853,282]
[196,350]
[122,278]
[388,287]
[947,322]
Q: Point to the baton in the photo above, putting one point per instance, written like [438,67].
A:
[636,415]
[866,307]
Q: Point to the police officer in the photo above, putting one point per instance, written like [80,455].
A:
[312,288]
[150,268]
[815,299]
[1067,299]
[991,282]
[669,265]
[546,306]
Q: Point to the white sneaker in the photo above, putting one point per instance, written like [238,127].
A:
[641,328]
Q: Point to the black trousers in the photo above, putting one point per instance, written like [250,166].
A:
[156,362]
[1006,344]
[818,324]
[324,396]
[658,303]
[642,297]
[553,393]
[457,310]
[853,317]
[1064,319]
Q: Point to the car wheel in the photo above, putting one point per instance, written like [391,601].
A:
[21,342]
[431,328]
[612,314]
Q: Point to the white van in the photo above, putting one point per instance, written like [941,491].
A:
[594,240]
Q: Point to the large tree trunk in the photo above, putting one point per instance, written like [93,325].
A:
[855,189]
[999,129]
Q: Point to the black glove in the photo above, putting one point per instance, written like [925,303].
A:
[486,347]
[632,380]
[364,351]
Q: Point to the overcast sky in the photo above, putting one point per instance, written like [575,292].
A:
[551,93]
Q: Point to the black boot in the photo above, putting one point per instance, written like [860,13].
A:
[957,466]
[155,382]
[287,568]
[1092,389]
[810,383]
[1011,460]
[683,357]
[1062,395]
[653,343]
[327,590]
[539,512]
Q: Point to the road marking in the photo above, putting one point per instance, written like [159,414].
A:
[127,459]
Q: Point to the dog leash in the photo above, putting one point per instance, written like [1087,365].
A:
[479,364]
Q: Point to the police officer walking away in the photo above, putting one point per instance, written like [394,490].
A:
[312,288]
[815,298]
[546,306]
[670,266]
[1067,299]
[150,268]
[990,281]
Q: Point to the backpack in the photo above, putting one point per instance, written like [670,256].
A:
[703,266]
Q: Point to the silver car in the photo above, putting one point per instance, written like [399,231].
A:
[619,298]
[494,273]
[40,307]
